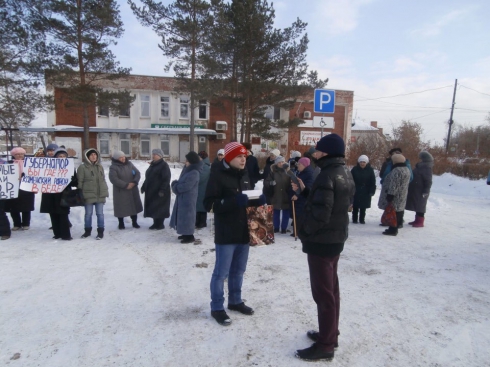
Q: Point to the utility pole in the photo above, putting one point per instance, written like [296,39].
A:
[451,117]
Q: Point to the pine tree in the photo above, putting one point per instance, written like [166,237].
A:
[182,26]
[80,33]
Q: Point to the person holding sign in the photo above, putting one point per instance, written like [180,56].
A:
[21,207]
[51,204]
[91,180]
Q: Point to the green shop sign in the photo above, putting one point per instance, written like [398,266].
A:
[166,126]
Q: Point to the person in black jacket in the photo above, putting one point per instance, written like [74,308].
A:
[252,166]
[225,197]
[323,232]
[217,161]
[157,190]
[365,180]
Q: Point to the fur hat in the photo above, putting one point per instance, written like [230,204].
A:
[234,149]
[332,144]
[158,152]
[51,146]
[304,161]
[363,158]
[398,158]
[17,150]
[221,152]
[192,157]
[203,154]
[247,145]
[276,152]
[295,154]
[59,151]
[426,156]
[395,150]
[118,154]
[279,159]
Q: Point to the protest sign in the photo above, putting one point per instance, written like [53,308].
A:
[9,181]
[47,175]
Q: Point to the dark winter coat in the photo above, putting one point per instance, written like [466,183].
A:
[386,169]
[267,168]
[215,165]
[4,221]
[203,182]
[306,176]
[24,202]
[157,190]
[282,191]
[91,179]
[396,184]
[421,184]
[365,181]
[324,228]
[50,203]
[230,220]
[183,218]
[126,202]
[252,167]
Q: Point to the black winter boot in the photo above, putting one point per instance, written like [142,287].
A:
[391,231]
[362,216]
[121,223]
[100,234]
[188,239]
[355,214]
[87,233]
[134,219]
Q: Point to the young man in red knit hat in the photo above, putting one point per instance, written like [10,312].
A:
[225,197]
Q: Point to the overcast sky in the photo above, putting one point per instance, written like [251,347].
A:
[377,48]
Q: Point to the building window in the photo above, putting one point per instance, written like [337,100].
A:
[184,108]
[104,143]
[272,113]
[104,110]
[125,143]
[203,109]
[164,106]
[165,144]
[124,109]
[145,144]
[145,105]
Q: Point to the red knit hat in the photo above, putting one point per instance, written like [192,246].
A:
[232,150]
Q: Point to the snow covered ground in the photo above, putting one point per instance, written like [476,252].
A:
[140,298]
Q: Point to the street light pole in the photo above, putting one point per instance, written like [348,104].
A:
[451,117]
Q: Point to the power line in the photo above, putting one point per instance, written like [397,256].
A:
[474,90]
[404,94]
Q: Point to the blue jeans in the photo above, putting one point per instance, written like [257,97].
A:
[231,263]
[99,212]
[285,218]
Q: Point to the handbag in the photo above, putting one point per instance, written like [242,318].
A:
[70,198]
[389,216]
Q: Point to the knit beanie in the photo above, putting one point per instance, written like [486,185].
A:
[279,159]
[398,158]
[295,154]
[118,154]
[158,152]
[17,150]
[304,161]
[221,152]
[276,152]
[234,149]
[203,154]
[52,146]
[363,158]
[311,150]
[192,157]
[332,144]
[58,151]
[426,156]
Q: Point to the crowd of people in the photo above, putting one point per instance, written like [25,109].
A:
[315,188]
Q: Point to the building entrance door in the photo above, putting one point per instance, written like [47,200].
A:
[183,149]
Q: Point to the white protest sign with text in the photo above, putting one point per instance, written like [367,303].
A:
[9,181]
[47,175]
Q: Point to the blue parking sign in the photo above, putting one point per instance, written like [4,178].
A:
[324,101]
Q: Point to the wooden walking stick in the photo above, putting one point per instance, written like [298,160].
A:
[294,222]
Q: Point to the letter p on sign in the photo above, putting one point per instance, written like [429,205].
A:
[324,101]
